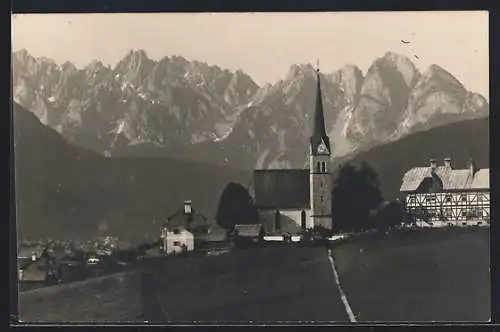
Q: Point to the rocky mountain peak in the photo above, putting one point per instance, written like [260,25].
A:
[135,66]
[95,65]
[179,60]
[241,77]
[24,62]
[46,60]
[69,67]
[350,79]
[135,57]
[440,74]
[402,64]
[222,116]
[300,71]
[22,55]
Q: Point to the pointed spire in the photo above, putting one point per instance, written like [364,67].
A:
[319,131]
[319,118]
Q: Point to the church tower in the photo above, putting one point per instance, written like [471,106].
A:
[319,168]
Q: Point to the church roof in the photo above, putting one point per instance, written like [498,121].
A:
[452,179]
[283,188]
[319,130]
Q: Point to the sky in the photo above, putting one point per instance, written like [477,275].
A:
[265,45]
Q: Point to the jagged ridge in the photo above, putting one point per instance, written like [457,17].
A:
[190,110]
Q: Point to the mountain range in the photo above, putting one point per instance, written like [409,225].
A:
[192,111]
[64,191]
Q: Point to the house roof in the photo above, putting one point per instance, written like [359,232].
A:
[285,189]
[452,179]
[248,230]
[187,221]
[177,229]
[217,234]
[34,272]
[212,237]
[481,179]
[216,237]
[28,251]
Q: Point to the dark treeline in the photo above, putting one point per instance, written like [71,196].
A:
[358,204]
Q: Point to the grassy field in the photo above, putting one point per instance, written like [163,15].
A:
[428,276]
[287,284]
[114,298]
[284,284]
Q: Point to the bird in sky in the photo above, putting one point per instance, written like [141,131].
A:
[405,41]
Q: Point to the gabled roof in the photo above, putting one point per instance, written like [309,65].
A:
[34,272]
[187,221]
[248,230]
[481,179]
[281,189]
[452,179]
[178,230]
[25,252]
[218,236]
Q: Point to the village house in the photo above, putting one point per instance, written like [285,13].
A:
[30,252]
[216,239]
[31,275]
[443,194]
[246,235]
[177,240]
[38,271]
[188,230]
[294,200]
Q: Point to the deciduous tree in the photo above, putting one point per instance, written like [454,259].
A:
[236,206]
[355,193]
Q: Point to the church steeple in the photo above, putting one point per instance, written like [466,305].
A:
[319,168]
[319,135]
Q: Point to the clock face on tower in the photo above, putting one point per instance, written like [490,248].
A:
[322,148]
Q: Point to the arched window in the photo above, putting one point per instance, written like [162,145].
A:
[323,167]
[277,221]
[303,219]
[318,167]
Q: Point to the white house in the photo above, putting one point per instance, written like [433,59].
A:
[188,230]
[177,240]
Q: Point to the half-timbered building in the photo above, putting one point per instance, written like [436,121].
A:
[444,194]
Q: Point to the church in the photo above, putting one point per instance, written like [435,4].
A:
[291,200]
